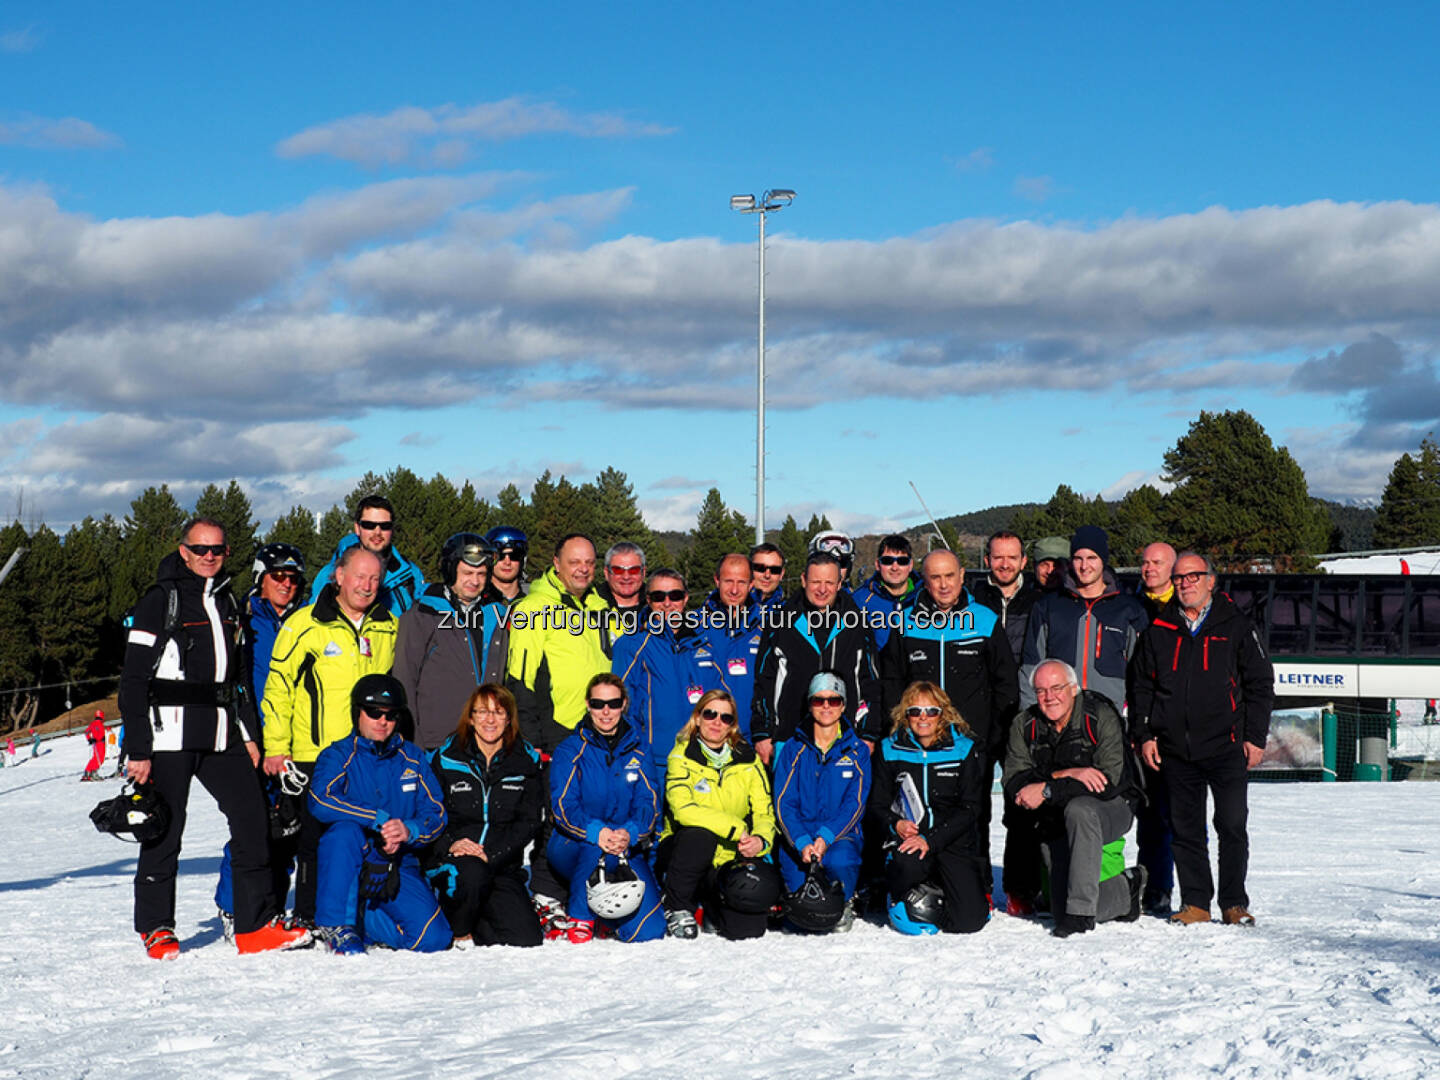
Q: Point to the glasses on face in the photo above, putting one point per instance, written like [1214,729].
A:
[625,571]
[383,526]
[375,712]
[206,549]
[599,703]
[914,711]
[481,710]
[1188,579]
[508,556]
[657,595]
[716,714]
[285,577]
[1052,691]
[894,560]
[828,701]
[767,568]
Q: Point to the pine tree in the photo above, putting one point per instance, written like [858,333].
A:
[231,507]
[96,646]
[151,531]
[559,508]
[718,532]
[512,509]
[1136,524]
[1409,512]
[335,525]
[617,517]
[794,546]
[297,526]
[18,655]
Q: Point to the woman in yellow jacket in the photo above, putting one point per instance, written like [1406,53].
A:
[719,828]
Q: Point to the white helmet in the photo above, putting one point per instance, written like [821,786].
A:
[614,893]
[836,543]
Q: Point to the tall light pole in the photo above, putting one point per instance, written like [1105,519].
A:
[774,199]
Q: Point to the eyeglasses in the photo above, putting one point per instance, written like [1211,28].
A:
[1052,691]
[829,701]
[509,556]
[894,560]
[715,714]
[931,711]
[598,703]
[375,712]
[767,568]
[383,526]
[625,571]
[656,595]
[480,710]
[286,577]
[208,549]
[1188,579]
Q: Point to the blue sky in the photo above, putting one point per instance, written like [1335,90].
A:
[1030,245]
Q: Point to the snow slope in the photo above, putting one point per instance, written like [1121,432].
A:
[1341,978]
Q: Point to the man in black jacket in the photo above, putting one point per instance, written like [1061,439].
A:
[1203,688]
[1068,765]
[1005,589]
[187,712]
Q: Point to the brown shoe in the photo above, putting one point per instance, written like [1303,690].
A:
[1237,916]
[1189,915]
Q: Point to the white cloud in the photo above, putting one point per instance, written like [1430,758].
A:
[445,136]
[55,133]
[27,39]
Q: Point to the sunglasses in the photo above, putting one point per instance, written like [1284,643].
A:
[767,568]
[377,713]
[715,714]
[829,701]
[931,711]
[1188,579]
[894,560]
[208,549]
[287,577]
[509,556]
[625,571]
[598,703]
[656,595]
[383,526]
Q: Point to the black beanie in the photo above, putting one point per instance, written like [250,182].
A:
[1092,537]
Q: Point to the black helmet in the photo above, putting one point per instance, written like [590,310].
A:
[379,690]
[467,547]
[507,536]
[749,886]
[279,557]
[818,903]
[920,911]
[139,812]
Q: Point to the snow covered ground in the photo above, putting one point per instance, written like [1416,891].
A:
[1341,977]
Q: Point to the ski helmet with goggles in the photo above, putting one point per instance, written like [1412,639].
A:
[749,886]
[139,813]
[837,544]
[272,557]
[919,911]
[614,892]
[381,691]
[469,548]
[818,904]
[507,537]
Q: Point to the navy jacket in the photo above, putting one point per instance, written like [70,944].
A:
[665,672]
[821,793]
[1096,637]
[595,786]
[735,650]
[875,599]
[369,783]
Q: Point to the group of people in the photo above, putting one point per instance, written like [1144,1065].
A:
[484,760]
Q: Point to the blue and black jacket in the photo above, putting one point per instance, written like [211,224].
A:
[875,600]
[498,804]
[665,672]
[1095,636]
[369,783]
[263,624]
[403,580]
[821,793]
[603,783]
[735,649]
[965,652]
[950,778]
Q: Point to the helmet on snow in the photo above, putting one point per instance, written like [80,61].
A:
[837,544]
[614,892]
[818,903]
[749,886]
[464,547]
[919,911]
[504,537]
[139,813]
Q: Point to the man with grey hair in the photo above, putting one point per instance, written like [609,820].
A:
[1068,762]
[1203,688]
[624,584]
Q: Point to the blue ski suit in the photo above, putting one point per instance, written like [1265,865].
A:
[821,793]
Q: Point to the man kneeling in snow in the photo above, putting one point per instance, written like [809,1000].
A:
[380,804]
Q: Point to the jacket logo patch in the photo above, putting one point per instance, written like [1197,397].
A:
[364,646]
[634,763]
[917,655]
[332,649]
[632,777]
[702,786]
[461,786]
[737,666]
[409,774]
[407,787]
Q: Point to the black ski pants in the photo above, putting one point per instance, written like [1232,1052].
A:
[1225,777]
[489,904]
[686,863]
[234,784]
[963,877]
[307,851]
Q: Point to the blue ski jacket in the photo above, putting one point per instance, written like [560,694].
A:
[880,607]
[369,783]
[595,785]
[665,672]
[402,584]
[821,793]
[735,649]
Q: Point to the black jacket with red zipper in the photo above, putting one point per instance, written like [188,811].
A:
[1203,692]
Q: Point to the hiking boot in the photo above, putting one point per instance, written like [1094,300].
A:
[1068,925]
[1237,916]
[1019,907]
[161,944]
[681,924]
[1157,902]
[227,925]
[274,935]
[580,931]
[341,940]
[1137,876]
[1189,915]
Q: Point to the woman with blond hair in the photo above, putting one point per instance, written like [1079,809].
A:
[719,826]
[494,796]
[929,791]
